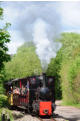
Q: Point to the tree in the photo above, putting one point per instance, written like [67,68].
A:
[4,39]
[4,57]
[24,63]
[70,67]
[66,68]
[53,70]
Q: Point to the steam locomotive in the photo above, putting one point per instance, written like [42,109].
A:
[35,93]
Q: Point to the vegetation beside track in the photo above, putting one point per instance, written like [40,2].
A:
[66,67]
[71,104]
[6,112]
[4,57]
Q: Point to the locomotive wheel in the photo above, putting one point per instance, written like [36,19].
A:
[12,107]
[30,109]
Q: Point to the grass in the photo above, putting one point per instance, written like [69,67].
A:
[7,111]
[70,104]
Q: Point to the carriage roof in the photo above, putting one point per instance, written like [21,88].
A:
[18,79]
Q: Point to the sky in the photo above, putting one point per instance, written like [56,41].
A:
[59,17]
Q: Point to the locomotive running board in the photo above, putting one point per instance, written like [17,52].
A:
[22,107]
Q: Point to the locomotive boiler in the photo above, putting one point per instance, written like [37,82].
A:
[35,93]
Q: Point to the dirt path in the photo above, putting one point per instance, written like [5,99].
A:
[67,112]
[63,113]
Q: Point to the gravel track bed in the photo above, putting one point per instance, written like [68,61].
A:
[63,113]
[19,116]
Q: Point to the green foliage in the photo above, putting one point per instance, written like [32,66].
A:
[74,69]
[66,66]
[74,79]
[71,104]
[3,101]
[70,41]
[24,63]
[6,112]
[2,81]
[66,89]
[53,70]
[1,13]
[4,39]
[4,57]
[70,67]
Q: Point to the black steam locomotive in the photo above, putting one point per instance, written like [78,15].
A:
[35,93]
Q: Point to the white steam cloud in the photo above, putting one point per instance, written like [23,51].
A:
[36,21]
[45,48]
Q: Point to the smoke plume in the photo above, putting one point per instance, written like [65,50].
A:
[38,22]
[45,48]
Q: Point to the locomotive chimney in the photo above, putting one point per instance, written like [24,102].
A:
[44,79]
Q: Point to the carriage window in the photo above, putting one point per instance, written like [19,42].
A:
[16,89]
[16,84]
[24,82]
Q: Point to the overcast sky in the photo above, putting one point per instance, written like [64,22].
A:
[60,16]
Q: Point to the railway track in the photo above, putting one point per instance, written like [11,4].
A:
[24,115]
[51,119]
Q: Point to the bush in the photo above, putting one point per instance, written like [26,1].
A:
[74,79]
[3,101]
[6,112]
[66,89]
